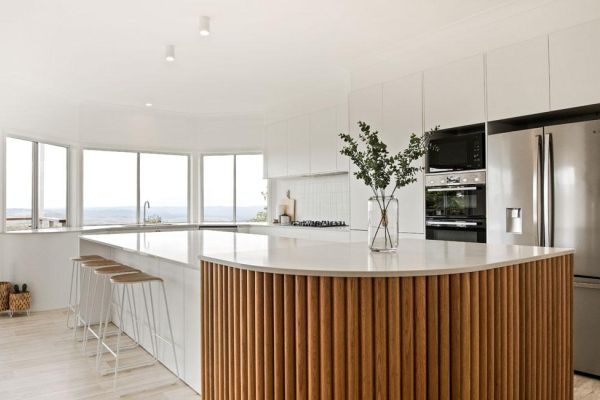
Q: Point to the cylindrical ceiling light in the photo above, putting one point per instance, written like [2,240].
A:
[170,53]
[204,26]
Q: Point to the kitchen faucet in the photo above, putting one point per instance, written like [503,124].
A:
[148,204]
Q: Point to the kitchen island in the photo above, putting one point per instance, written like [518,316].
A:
[306,319]
[274,317]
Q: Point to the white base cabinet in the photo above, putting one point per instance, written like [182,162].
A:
[403,115]
[363,105]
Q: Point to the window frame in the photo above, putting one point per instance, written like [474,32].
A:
[138,180]
[35,172]
[234,154]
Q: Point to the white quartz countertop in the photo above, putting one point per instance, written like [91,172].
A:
[265,253]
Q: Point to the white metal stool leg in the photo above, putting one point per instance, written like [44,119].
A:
[152,337]
[162,283]
[128,282]
[89,310]
[121,308]
[71,305]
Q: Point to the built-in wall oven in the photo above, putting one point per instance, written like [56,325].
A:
[456,207]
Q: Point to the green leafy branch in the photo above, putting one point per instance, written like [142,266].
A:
[376,167]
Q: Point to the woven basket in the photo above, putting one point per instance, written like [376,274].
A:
[4,293]
[20,301]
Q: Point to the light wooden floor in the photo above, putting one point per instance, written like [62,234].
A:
[39,360]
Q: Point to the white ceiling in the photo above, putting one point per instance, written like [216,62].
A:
[260,51]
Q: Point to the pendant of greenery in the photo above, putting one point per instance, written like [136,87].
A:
[379,169]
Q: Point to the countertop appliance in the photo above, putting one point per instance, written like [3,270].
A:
[456,152]
[319,224]
[455,207]
[544,189]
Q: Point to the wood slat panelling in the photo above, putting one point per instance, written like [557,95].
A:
[500,334]
[313,312]
[278,338]
[340,337]
[326,324]
[394,346]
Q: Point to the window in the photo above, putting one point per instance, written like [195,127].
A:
[36,185]
[234,189]
[164,184]
[117,184]
[109,187]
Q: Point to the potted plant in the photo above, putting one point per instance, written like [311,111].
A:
[20,299]
[382,171]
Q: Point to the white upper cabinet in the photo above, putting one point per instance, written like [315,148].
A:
[574,66]
[323,141]
[342,162]
[454,94]
[403,115]
[363,105]
[298,146]
[276,149]
[518,80]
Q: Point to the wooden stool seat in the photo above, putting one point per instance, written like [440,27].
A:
[115,269]
[135,278]
[86,258]
[99,263]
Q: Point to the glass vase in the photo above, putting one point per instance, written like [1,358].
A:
[383,223]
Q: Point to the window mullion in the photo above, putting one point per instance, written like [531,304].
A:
[35,186]
[138,196]
[234,188]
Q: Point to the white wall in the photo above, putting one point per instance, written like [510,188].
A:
[122,127]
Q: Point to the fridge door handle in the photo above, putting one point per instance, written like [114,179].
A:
[539,192]
[550,189]
[586,285]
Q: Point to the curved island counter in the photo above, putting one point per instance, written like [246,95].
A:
[287,318]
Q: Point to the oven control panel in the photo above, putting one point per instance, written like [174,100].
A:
[457,178]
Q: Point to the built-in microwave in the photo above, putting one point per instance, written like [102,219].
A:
[456,152]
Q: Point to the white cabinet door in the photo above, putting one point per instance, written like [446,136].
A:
[276,148]
[363,105]
[298,146]
[574,62]
[518,80]
[454,94]
[343,163]
[323,141]
[402,116]
[191,358]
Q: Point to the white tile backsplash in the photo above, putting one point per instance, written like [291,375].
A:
[325,197]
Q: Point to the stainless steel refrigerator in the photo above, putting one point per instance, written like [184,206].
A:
[544,189]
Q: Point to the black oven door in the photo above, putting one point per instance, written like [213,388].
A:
[455,202]
[457,231]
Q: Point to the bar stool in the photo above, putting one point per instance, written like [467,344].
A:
[88,266]
[104,274]
[74,303]
[131,280]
